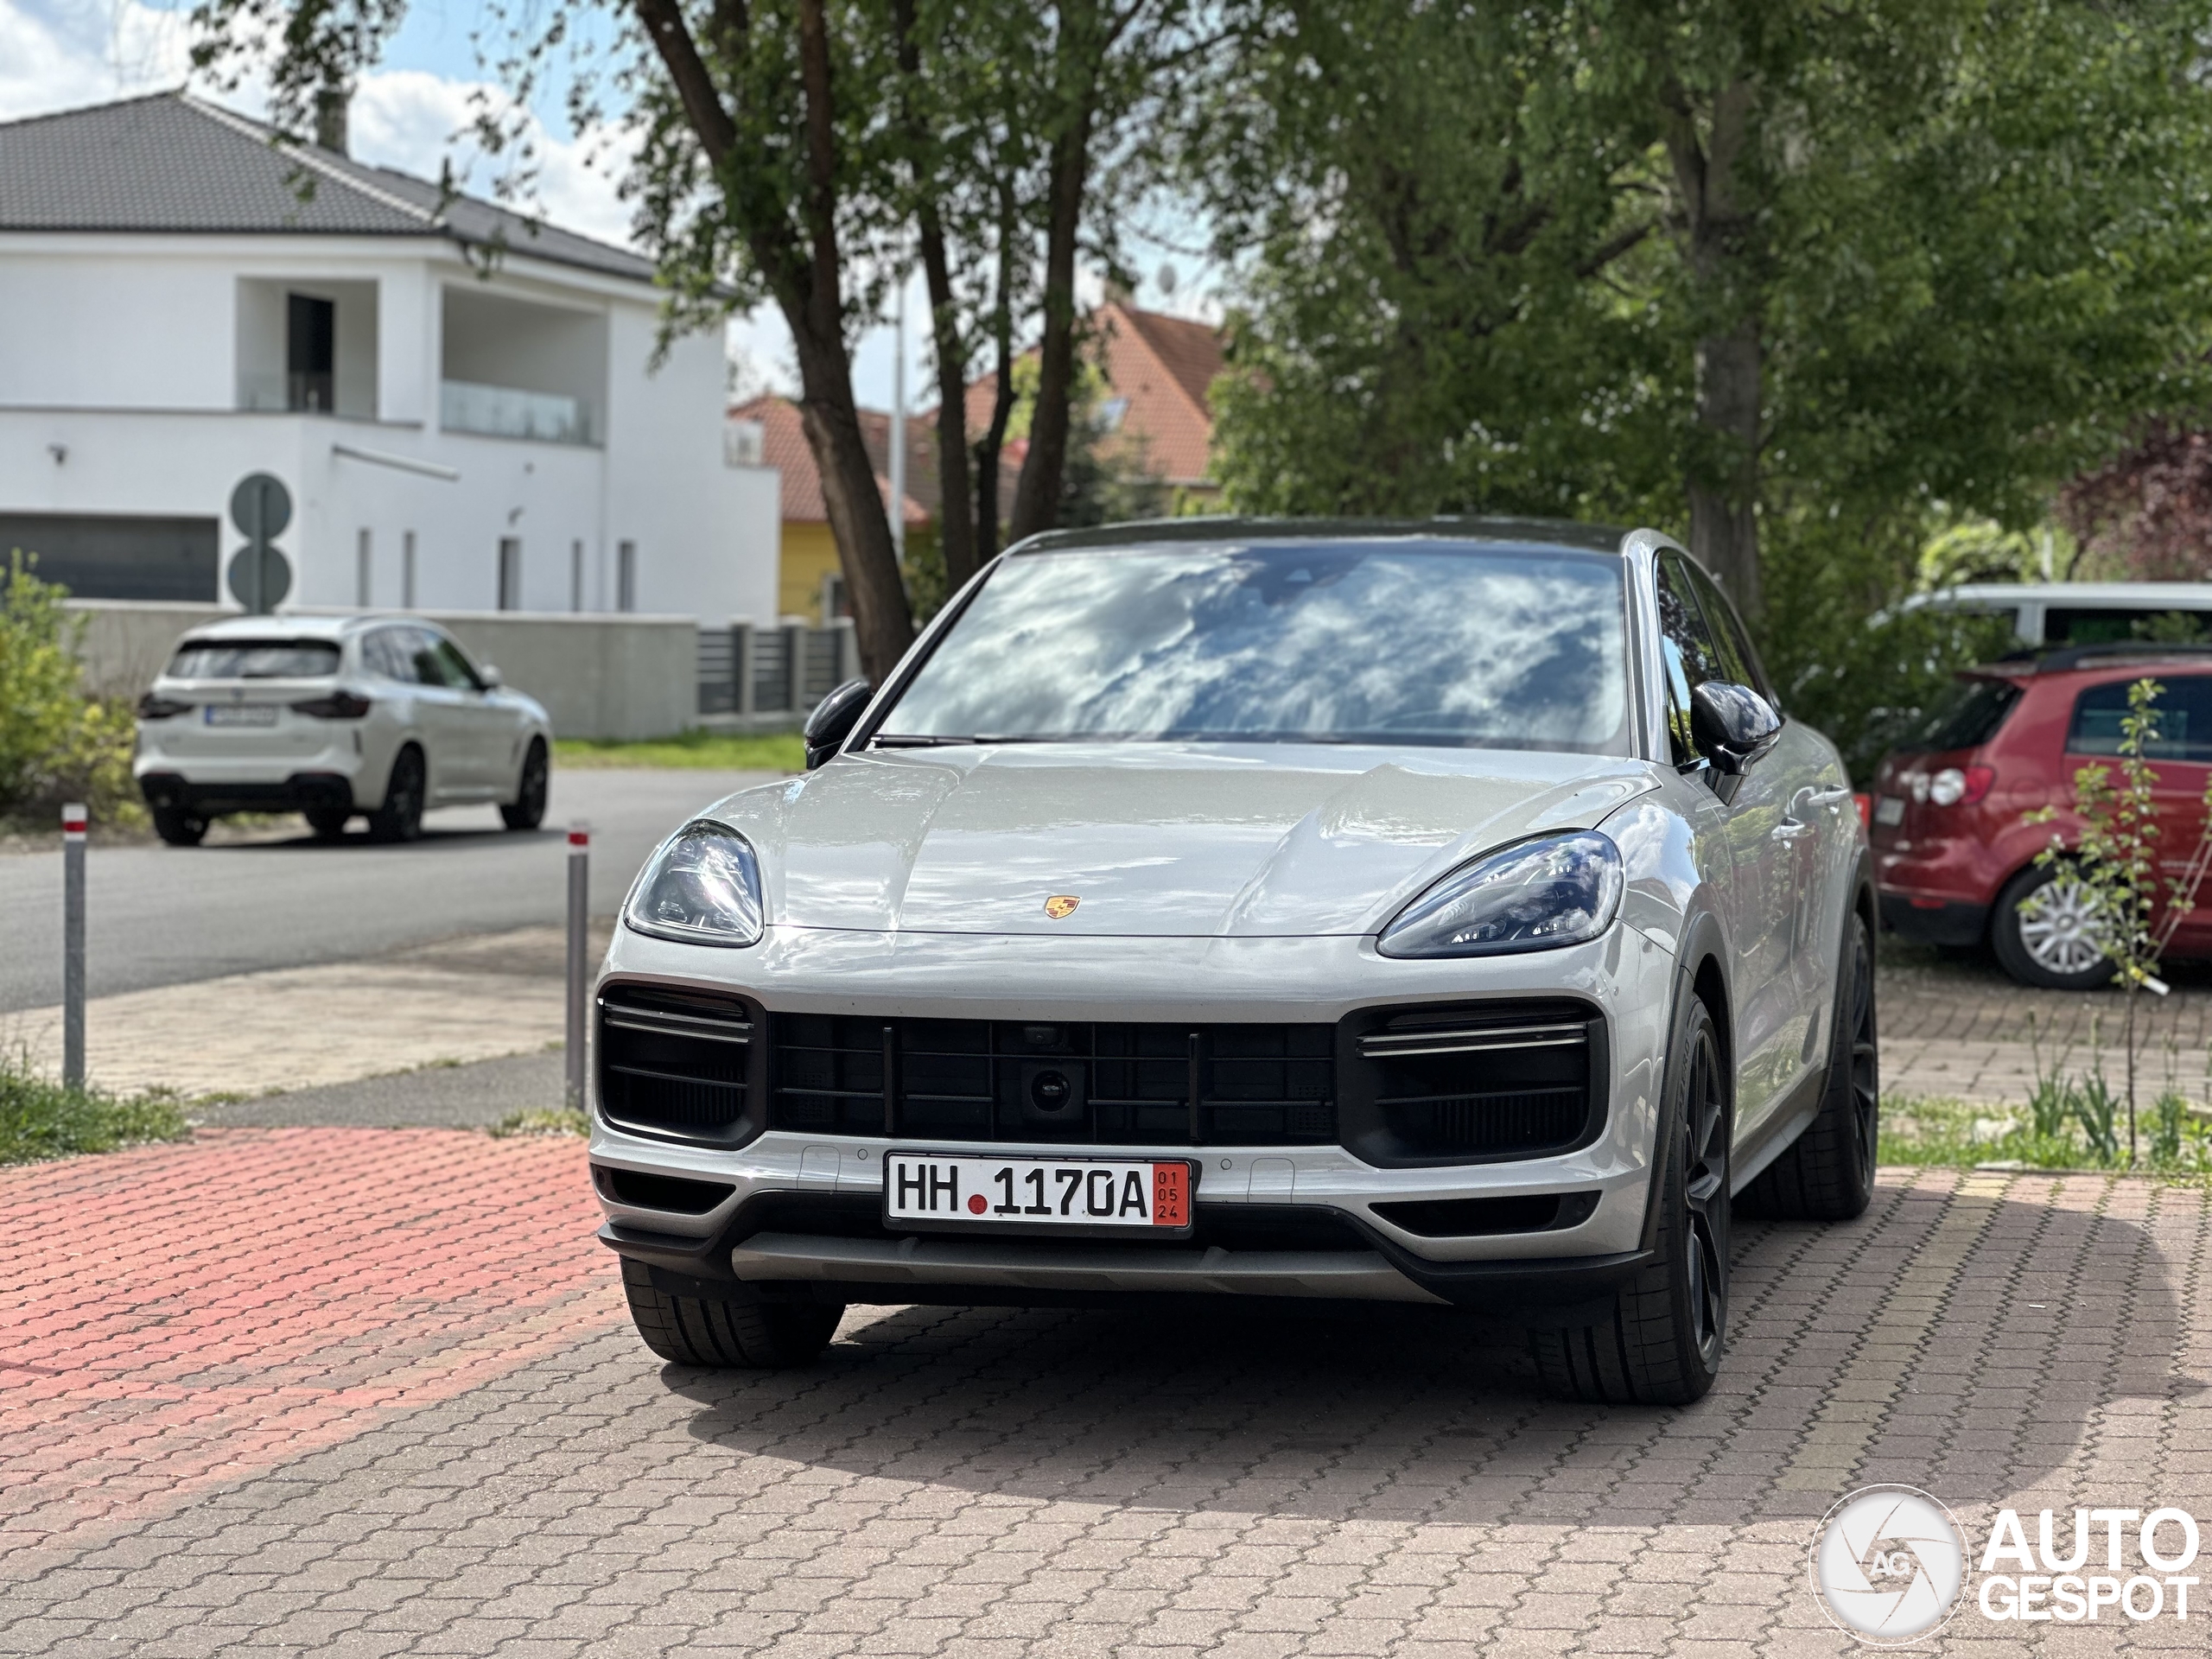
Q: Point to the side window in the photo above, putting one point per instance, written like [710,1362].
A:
[422,657]
[1736,654]
[458,672]
[384,653]
[1688,645]
[2184,711]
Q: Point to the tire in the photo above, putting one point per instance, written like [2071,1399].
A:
[725,1335]
[529,809]
[1659,1342]
[2046,949]
[179,828]
[400,817]
[1827,1172]
[328,822]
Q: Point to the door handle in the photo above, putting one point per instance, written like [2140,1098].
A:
[1792,829]
[1836,796]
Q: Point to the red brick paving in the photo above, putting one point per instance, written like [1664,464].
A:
[180,1316]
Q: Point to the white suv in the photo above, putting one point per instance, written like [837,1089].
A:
[330,716]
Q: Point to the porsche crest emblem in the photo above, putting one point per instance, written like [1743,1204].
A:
[1061,906]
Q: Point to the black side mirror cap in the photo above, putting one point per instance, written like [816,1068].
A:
[833,720]
[1731,725]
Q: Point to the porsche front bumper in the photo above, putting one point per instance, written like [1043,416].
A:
[791,1213]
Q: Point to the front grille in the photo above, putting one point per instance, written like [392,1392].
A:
[1470,1083]
[957,1080]
[675,1063]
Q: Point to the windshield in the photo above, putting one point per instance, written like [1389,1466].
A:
[254,659]
[1430,643]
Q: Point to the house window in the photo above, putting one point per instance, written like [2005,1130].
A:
[625,576]
[364,569]
[310,353]
[510,573]
[407,570]
[576,576]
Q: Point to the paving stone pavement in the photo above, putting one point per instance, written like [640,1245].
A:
[1959,1027]
[1239,1483]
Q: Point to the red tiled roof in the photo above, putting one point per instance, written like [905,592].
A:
[1164,367]
[783,446]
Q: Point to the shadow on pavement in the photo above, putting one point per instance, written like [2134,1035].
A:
[2055,1313]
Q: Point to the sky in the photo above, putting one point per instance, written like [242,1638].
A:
[408,114]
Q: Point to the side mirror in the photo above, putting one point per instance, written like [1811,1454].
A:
[833,720]
[1733,724]
[491,676]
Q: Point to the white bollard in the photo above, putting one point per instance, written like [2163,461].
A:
[73,945]
[579,958]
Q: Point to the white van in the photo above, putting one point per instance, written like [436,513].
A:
[2082,612]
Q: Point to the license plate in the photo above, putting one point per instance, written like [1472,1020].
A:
[927,1190]
[242,714]
[1889,811]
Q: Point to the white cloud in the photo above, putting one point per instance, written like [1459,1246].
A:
[413,120]
[59,54]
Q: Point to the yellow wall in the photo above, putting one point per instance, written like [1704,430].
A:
[807,554]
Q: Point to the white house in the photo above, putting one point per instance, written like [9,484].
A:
[182,304]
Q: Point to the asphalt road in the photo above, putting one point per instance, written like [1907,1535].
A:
[163,916]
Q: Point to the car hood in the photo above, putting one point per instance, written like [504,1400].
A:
[1151,839]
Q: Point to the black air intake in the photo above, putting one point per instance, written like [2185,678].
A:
[1475,1083]
[676,1063]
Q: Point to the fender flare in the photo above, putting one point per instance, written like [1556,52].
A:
[1703,942]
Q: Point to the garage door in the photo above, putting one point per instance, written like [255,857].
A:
[103,555]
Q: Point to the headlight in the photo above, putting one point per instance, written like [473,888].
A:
[1561,890]
[701,887]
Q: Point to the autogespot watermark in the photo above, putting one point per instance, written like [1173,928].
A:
[1890,1564]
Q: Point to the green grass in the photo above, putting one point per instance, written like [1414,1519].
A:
[40,1119]
[709,751]
[1961,1134]
[541,1120]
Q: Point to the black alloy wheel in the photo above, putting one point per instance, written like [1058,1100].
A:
[1827,1172]
[1659,1341]
[1705,1194]
[528,810]
[400,817]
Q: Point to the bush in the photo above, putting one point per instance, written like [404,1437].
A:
[56,744]
[40,1119]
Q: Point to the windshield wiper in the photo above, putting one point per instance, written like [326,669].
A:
[913,741]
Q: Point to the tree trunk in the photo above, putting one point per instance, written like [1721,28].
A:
[881,618]
[993,440]
[1724,473]
[807,284]
[956,526]
[1724,527]
[882,622]
[1036,497]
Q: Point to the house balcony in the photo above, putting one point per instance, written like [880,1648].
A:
[509,412]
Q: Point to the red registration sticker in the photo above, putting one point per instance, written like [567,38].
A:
[1171,1195]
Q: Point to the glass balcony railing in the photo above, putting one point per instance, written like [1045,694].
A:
[505,412]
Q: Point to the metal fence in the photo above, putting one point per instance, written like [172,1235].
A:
[747,672]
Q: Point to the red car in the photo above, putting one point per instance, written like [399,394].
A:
[1954,857]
